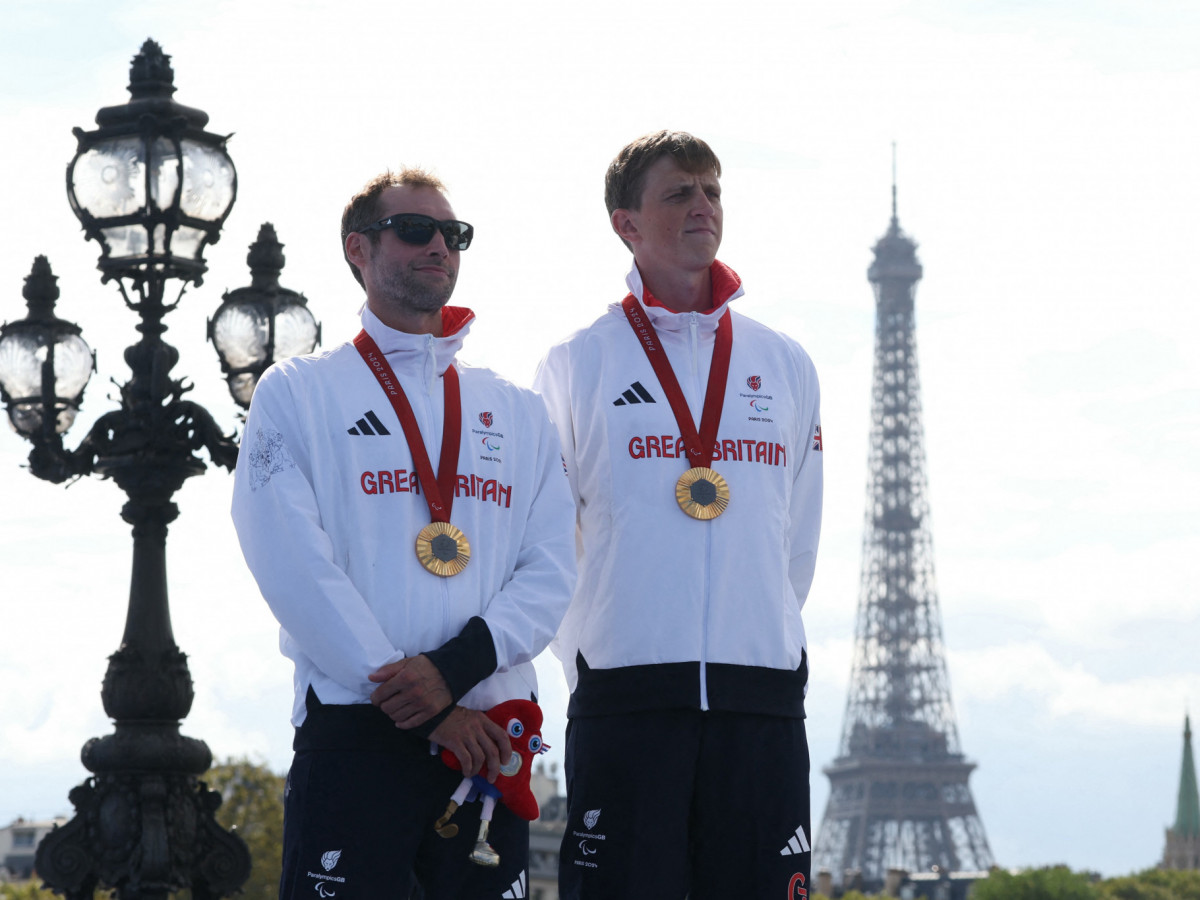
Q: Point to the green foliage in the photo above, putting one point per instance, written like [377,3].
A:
[1153,884]
[252,805]
[27,890]
[1057,883]
[1060,883]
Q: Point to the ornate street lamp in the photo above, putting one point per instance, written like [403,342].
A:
[153,188]
[44,363]
[256,326]
[150,184]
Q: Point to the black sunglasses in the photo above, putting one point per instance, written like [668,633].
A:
[416,229]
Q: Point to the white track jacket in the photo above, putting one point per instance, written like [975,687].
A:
[327,506]
[670,611]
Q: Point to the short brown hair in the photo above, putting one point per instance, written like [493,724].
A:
[626,174]
[363,208]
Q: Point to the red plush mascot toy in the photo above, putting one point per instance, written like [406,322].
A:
[522,722]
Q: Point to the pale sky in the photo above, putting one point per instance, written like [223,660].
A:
[1047,168]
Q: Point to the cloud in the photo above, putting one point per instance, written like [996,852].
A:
[1052,690]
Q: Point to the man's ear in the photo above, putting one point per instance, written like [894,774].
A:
[358,249]
[624,224]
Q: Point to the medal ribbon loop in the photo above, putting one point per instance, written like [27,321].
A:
[439,490]
[701,445]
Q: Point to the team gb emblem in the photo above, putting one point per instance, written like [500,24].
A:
[754,382]
[486,419]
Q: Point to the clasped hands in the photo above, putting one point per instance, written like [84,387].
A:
[412,691]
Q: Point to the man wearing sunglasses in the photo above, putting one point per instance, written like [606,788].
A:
[409,523]
[692,441]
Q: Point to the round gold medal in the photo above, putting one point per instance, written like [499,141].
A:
[443,549]
[702,493]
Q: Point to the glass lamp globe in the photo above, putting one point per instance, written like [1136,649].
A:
[258,325]
[150,184]
[44,363]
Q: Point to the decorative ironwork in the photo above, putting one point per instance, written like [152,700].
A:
[899,795]
[257,325]
[150,185]
[153,189]
[44,362]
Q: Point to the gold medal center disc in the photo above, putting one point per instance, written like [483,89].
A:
[443,549]
[702,493]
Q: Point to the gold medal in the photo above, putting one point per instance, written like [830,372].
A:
[702,493]
[443,549]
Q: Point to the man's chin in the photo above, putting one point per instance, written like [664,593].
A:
[421,295]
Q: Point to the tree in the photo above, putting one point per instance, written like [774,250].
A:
[252,805]
[27,890]
[1154,884]
[1057,883]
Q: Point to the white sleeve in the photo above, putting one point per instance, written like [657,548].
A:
[525,613]
[553,381]
[807,489]
[288,551]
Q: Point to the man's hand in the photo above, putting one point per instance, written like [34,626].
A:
[411,691]
[475,740]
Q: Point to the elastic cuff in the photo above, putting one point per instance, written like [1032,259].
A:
[467,659]
[425,729]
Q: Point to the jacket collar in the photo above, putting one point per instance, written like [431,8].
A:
[413,352]
[727,286]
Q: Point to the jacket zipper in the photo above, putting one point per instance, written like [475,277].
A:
[694,329]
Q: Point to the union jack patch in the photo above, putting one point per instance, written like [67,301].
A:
[817,438]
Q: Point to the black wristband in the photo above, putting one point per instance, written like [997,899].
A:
[425,729]
[467,659]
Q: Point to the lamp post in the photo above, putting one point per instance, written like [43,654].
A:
[260,324]
[153,189]
[44,363]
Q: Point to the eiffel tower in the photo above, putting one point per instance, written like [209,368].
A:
[899,797]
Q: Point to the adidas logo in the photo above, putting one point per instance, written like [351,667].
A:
[635,394]
[517,891]
[796,844]
[368,425]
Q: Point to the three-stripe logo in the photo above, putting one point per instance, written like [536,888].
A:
[797,843]
[518,889]
[369,425]
[636,393]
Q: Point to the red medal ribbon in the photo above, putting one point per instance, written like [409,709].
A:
[439,491]
[701,446]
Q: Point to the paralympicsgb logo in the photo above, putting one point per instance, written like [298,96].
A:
[754,382]
[486,419]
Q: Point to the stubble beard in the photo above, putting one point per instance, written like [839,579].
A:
[409,291]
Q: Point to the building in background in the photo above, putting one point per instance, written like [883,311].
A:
[899,798]
[1183,840]
[546,833]
[18,843]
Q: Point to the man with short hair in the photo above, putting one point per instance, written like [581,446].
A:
[692,440]
[408,522]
